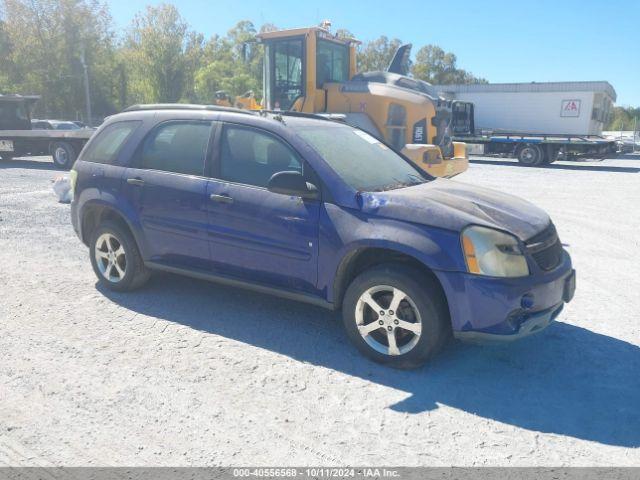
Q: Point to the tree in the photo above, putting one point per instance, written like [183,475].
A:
[155,55]
[232,63]
[438,67]
[622,118]
[42,42]
[377,54]
[344,34]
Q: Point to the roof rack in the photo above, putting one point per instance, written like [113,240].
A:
[184,106]
[329,117]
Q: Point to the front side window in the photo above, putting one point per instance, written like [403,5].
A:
[360,159]
[286,78]
[251,157]
[332,62]
[105,147]
[178,147]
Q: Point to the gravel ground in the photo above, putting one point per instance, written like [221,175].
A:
[185,372]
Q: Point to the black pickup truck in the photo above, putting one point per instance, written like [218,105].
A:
[18,139]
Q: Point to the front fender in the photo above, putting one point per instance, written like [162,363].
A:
[345,232]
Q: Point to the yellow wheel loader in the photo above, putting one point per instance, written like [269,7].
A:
[311,70]
[246,101]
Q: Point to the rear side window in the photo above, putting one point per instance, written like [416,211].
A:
[251,157]
[178,147]
[105,147]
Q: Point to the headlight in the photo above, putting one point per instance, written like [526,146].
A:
[493,253]
[73,178]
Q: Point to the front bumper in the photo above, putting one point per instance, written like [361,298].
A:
[505,309]
[531,324]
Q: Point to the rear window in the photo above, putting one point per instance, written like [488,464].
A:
[105,147]
[177,147]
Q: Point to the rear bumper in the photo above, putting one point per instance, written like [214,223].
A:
[75,220]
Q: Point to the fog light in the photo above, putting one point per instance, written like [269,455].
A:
[527,301]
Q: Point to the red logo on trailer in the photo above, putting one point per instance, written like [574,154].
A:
[571,105]
[570,108]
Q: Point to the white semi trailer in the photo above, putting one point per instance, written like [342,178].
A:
[538,122]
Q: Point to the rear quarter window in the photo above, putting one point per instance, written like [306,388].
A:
[106,146]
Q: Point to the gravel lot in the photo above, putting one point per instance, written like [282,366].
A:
[185,372]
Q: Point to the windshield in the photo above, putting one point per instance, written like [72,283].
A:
[360,159]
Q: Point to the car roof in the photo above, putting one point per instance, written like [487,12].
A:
[266,119]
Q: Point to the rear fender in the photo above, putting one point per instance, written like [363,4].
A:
[92,198]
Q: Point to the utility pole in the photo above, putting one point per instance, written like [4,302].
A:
[87,96]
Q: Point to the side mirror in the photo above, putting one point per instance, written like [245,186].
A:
[292,183]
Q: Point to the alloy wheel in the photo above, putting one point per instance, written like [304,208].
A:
[388,320]
[110,257]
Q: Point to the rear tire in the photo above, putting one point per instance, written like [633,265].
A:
[64,155]
[551,154]
[408,322]
[115,258]
[530,155]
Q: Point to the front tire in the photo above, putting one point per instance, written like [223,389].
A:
[396,315]
[115,258]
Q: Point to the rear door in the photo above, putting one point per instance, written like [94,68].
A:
[256,234]
[167,188]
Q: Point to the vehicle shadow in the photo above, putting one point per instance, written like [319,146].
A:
[561,166]
[29,164]
[566,380]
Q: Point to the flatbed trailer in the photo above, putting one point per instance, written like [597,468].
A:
[18,139]
[534,149]
[63,145]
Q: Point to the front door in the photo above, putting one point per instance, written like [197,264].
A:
[255,234]
[168,190]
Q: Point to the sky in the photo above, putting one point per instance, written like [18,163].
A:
[516,41]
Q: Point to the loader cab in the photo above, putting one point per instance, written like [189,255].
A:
[299,62]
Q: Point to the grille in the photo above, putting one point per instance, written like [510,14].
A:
[545,248]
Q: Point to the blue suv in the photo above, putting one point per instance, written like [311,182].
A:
[318,211]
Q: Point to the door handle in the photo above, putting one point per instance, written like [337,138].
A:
[221,198]
[135,181]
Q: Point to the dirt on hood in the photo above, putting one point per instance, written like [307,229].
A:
[455,205]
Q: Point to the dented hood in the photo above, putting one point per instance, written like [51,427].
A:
[455,205]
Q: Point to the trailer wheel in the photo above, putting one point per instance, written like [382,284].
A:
[530,155]
[64,155]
